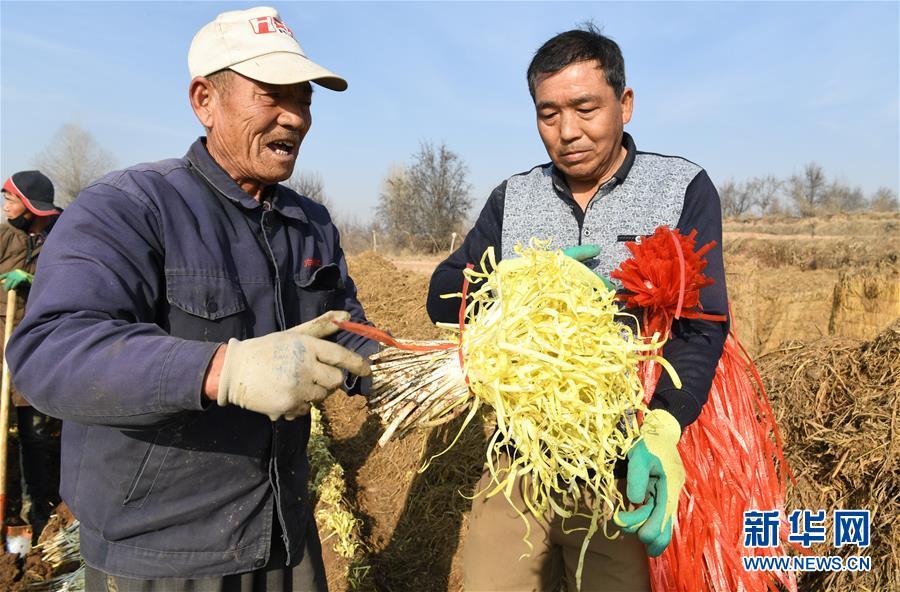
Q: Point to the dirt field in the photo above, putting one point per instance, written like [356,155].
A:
[783,285]
[423,265]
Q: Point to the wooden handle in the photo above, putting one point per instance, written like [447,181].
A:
[4,405]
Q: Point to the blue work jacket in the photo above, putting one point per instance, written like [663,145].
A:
[146,274]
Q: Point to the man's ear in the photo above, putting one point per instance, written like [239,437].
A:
[627,105]
[202,95]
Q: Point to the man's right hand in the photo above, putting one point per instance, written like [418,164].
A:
[284,373]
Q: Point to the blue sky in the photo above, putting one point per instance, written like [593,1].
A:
[743,89]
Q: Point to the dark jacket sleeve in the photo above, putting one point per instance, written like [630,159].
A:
[448,276]
[89,349]
[696,345]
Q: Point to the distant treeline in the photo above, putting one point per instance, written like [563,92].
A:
[807,194]
[425,205]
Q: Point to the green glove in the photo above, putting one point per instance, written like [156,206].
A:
[13,279]
[654,470]
[584,252]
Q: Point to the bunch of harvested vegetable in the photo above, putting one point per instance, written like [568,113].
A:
[69,582]
[417,384]
[62,552]
[63,548]
[542,344]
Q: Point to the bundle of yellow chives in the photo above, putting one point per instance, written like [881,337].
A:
[544,345]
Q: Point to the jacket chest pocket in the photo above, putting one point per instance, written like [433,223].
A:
[205,308]
[319,292]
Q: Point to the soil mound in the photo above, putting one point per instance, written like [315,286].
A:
[394,300]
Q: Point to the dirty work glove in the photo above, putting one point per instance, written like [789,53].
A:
[16,278]
[283,373]
[584,252]
[654,469]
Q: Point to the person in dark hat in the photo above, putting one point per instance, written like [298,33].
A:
[30,214]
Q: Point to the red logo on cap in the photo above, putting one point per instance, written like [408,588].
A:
[269,24]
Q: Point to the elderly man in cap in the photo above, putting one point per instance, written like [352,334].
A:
[30,214]
[183,322]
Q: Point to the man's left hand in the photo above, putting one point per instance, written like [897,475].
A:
[12,280]
[655,478]
[582,253]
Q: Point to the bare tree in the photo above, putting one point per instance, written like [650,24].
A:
[764,192]
[398,206]
[759,193]
[736,199]
[356,235]
[843,198]
[309,184]
[728,197]
[808,191]
[72,161]
[884,200]
[422,204]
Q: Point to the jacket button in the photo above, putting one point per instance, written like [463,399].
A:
[587,232]
[211,305]
[260,562]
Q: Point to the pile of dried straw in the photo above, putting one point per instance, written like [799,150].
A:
[839,412]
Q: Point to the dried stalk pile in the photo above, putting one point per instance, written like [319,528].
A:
[840,414]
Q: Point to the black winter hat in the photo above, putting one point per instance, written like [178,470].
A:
[35,190]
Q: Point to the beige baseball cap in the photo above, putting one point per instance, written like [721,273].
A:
[259,45]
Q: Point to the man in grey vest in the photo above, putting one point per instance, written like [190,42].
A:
[598,190]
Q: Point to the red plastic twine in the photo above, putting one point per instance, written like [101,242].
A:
[733,462]
[681,277]
[732,454]
[384,338]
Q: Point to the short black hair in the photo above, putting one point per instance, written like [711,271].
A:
[579,45]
